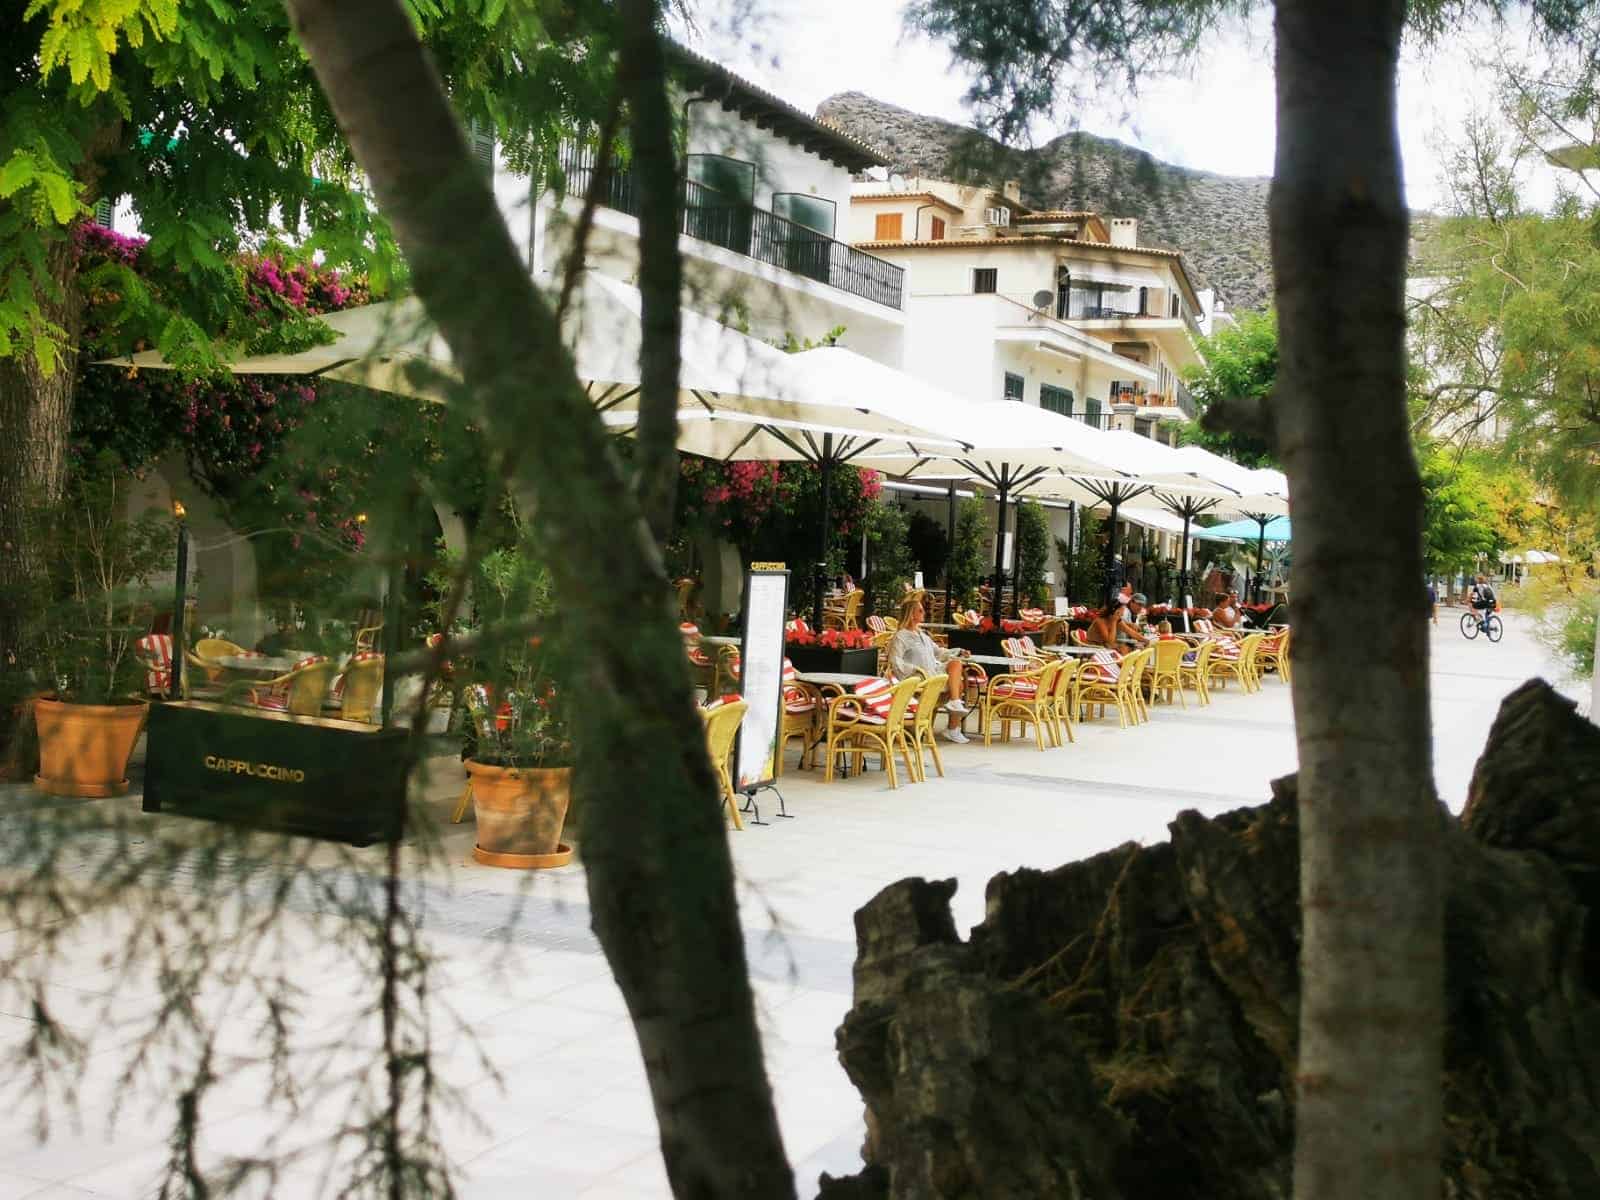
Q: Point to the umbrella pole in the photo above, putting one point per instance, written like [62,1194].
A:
[826,464]
[1113,544]
[1183,571]
[180,604]
[1072,550]
[1261,549]
[1000,552]
[950,549]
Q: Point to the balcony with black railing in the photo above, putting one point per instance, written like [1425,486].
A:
[726,221]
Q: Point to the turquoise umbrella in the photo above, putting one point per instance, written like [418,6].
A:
[1259,526]
[1275,530]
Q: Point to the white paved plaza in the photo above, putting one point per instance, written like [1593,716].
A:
[570,1116]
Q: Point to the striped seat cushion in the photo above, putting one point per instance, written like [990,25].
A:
[154,652]
[797,700]
[877,624]
[877,698]
[798,625]
[1015,689]
[1225,649]
[1103,668]
[1031,614]
[277,696]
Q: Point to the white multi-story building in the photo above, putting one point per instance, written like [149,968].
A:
[1056,308]
[767,189]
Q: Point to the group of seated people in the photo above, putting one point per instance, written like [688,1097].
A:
[1119,623]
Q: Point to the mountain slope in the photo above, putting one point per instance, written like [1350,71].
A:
[1218,221]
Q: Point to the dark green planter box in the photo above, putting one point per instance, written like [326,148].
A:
[839,662]
[303,775]
[978,643]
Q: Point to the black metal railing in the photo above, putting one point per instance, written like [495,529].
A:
[1097,312]
[726,221]
[1185,402]
[1100,420]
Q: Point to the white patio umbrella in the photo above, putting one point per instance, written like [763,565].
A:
[1020,449]
[1262,494]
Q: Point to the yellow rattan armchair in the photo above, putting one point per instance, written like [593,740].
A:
[1241,668]
[1166,664]
[852,730]
[801,704]
[299,691]
[845,613]
[722,726]
[1062,707]
[1094,690]
[1196,674]
[1274,653]
[363,685]
[929,698]
[1025,697]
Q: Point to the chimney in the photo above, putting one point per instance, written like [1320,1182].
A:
[1012,190]
[1124,231]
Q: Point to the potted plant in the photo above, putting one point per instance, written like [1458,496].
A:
[94,602]
[521,769]
[847,651]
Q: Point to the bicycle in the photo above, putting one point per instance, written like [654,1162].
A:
[1489,624]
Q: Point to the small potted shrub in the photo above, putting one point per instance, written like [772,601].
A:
[94,603]
[521,769]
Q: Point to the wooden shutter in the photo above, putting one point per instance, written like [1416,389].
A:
[481,139]
[936,229]
[886,227]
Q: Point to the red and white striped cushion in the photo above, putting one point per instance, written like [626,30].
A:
[154,651]
[277,696]
[798,625]
[1012,646]
[1015,689]
[1104,666]
[877,698]
[1225,648]
[1201,625]
[1032,614]
[877,624]
[797,700]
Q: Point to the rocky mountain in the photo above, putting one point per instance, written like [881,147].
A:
[1218,221]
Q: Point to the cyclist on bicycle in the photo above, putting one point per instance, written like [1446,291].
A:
[1484,601]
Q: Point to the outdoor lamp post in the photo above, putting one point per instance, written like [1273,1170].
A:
[180,597]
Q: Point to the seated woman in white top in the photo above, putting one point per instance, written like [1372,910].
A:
[911,650]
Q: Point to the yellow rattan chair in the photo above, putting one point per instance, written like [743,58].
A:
[1274,653]
[300,691]
[204,654]
[845,613]
[1166,663]
[1241,668]
[1061,698]
[1095,691]
[363,685]
[1026,697]
[722,726]
[923,739]
[852,730]
[1196,674]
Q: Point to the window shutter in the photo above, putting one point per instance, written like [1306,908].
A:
[936,229]
[886,227]
[480,138]
[985,279]
[1015,386]
[105,212]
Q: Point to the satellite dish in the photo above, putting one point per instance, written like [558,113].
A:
[1043,299]
[897,183]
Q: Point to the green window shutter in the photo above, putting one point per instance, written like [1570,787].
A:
[480,138]
[105,212]
[1055,399]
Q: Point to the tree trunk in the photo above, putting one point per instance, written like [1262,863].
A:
[1368,1083]
[655,847]
[642,76]
[35,423]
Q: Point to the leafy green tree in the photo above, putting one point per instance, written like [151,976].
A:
[889,561]
[102,99]
[1457,515]
[1083,565]
[1033,553]
[1236,361]
[930,545]
[966,567]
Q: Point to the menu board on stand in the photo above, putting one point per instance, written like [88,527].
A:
[766,595]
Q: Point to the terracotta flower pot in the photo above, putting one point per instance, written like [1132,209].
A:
[520,812]
[84,748]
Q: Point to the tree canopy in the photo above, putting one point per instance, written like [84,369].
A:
[1236,361]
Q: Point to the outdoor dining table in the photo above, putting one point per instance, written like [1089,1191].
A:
[838,679]
[1078,651]
[256,664]
[718,640]
[996,660]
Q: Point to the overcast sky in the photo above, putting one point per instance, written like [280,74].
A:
[1217,117]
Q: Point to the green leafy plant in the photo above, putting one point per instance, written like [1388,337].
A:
[1033,553]
[96,597]
[1083,566]
[889,561]
[966,566]
[1569,629]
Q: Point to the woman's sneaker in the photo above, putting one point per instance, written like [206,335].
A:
[956,706]
[955,735]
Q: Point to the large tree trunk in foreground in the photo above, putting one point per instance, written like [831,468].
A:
[1367,1088]
[35,424]
[1124,1028]
[642,75]
[655,848]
